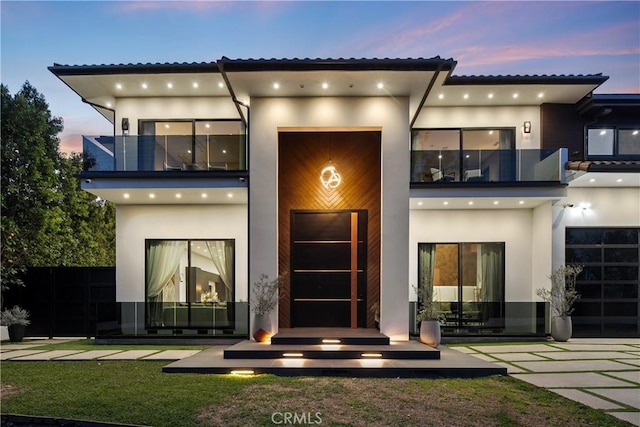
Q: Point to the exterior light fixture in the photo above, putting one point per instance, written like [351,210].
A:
[330,341]
[527,127]
[329,176]
[292,354]
[371,355]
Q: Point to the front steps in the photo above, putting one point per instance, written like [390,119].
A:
[335,352]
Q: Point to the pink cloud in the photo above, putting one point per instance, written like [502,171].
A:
[193,6]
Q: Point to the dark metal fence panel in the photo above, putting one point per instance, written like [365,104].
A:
[66,301]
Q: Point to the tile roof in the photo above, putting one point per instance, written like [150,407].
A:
[604,165]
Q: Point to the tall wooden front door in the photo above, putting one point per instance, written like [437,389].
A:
[328,268]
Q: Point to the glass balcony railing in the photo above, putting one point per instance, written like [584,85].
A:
[164,153]
[442,166]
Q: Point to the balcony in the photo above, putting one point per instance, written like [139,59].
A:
[144,153]
[545,166]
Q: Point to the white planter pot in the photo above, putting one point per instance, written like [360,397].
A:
[561,328]
[430,333]
[261,330]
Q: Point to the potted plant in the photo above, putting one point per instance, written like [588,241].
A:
[16,320]
[561,297]
[429,317]
[264,298]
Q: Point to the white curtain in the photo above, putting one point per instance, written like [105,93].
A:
[163,260]
[492,273]
[426,262]
[222,256]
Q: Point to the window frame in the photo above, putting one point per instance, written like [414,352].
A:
[616,143]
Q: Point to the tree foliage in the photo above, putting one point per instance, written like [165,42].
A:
[47,220]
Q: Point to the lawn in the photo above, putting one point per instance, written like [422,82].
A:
[137,392]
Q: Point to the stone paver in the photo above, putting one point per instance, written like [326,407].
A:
[510,368]
[573,366]
[628,396]
[463,349]
[171,355]
[635,362]
[525,348]
[633,376]
[47,355]
[483,357]
[89,355]
[517,357]
[571,380]
[630,417]
[581,355]
[129,355]
[17,353]
[586,398]
[594,347]
[20,346]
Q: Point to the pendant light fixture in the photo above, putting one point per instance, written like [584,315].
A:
[329,175]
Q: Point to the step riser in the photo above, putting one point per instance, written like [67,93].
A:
[329,354]
[318,341]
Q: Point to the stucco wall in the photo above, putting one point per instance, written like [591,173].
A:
[485,117]
[391,115]
[135,223]
[171,108]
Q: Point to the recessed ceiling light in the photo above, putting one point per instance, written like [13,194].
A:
[207,125]
[224,151]
[108,105]
[167,126]
[170,85]
[276,85]
[118,86]
[515,95]
[521,202]
[178,195]
[380,85]
[541,95]
[490,96]
[441,96]
[495,202]
[592,180]
[619,180]
[203,195]
[445,203]
[470,203]
[144,86]
[419,203]
[325,85]
[465,96]
[220,85]
[467,156]
[440,156]
[230,195]
[126,195]
[490,132]
[195,85]
[152,196]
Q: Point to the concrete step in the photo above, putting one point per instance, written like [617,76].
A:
[317,336]
[397,350]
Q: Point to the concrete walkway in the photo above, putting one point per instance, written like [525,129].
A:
[600,373]
[31,351]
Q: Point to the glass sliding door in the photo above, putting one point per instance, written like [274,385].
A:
[190,284]
[467,282]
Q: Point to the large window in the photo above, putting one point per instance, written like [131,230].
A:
[192,145]
[608,284]
[608,142]
[446,155]
[467,280]
[190,284]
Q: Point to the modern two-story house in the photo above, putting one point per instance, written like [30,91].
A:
[359,179]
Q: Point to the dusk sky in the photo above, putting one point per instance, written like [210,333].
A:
[486,38]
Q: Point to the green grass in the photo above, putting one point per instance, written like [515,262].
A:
[137,392]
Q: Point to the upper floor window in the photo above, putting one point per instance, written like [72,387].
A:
[613,142]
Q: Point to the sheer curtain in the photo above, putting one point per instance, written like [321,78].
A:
[492,274]
[163,260]
[426,265]
[222,256]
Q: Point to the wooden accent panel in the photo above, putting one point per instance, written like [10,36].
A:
[562,127]
[354,270]
[301,157]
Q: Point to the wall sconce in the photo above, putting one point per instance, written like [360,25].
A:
[125,126]
[527,127]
